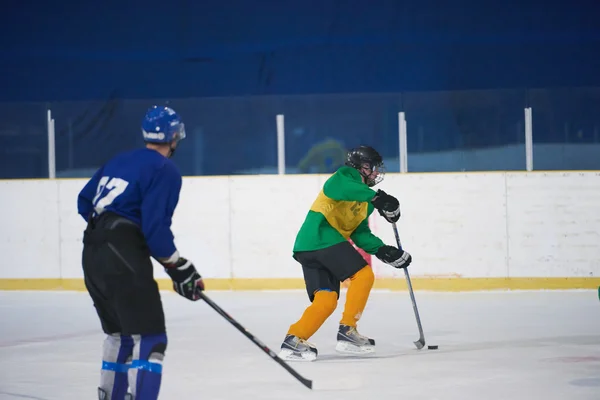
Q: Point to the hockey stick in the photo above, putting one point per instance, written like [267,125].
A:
[263,347]
[421,342]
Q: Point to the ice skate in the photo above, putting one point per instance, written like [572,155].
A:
[349,341]
[295,349]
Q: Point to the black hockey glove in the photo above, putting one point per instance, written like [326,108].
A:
[397,258]
[387,206]
[186,280]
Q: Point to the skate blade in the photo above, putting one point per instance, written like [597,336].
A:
[349,348]
[289,355]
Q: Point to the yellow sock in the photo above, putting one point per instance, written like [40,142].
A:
[357,295]
[321,308]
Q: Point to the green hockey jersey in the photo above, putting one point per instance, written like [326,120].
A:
[340,212]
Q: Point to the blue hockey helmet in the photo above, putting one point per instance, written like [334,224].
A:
[162,124]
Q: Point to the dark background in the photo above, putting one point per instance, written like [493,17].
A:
[462,71]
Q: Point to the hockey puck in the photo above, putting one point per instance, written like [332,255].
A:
[432,347]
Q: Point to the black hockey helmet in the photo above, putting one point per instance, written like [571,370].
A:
[368,162]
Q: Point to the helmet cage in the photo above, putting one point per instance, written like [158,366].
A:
[368,163]
[373,173]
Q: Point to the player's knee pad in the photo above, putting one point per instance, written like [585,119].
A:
[326,300]
[116,360]
[146,366]
[149,352]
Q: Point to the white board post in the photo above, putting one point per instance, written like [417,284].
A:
[403,144]
[51,147]
[280,145]
[528,139]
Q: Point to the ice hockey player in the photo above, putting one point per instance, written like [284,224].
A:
[128,205]
[340,212]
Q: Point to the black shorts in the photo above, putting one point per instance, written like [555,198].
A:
[327,268]
[119,277]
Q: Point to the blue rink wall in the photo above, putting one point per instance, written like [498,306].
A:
[183,49]
[339,71]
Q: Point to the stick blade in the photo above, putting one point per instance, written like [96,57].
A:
[306,382]
[420,344]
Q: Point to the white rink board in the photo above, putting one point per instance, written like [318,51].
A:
[554,224]
[266,213]
[453,224]
[201,226]
[472,225]
[29,238]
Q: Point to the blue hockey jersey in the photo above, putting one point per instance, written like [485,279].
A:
[142,186]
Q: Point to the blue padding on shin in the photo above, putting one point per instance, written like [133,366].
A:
[324,290]
[126,349]
[116,367]
[149,372]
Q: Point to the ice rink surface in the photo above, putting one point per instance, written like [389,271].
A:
[496,345]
